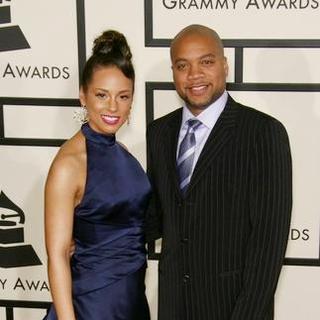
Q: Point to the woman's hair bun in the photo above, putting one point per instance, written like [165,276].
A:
[110,49]
[112,42]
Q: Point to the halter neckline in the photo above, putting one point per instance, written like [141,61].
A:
[97,137]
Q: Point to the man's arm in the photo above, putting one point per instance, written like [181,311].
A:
[270,213]
[153,215]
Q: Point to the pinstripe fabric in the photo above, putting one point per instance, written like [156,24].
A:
[223,244]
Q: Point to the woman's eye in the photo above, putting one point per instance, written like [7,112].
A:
[101,95]
[124,97]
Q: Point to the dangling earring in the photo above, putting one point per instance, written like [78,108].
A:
[81,115]
[128,120]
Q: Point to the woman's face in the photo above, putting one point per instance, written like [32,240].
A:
[108,99]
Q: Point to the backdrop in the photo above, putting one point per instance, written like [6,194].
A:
[273,49]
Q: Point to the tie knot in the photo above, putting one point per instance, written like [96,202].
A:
[194,124]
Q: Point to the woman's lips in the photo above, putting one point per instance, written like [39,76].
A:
[110,120]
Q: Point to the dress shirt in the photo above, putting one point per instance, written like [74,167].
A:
[208,118]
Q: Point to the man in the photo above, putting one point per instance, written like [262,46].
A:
[221,174]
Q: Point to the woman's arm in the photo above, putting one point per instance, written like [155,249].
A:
[60,197]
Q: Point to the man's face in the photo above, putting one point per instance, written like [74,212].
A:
[199,70]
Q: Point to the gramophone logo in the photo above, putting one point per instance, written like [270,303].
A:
[11,37]
[13,252]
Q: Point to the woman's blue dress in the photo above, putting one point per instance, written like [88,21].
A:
[109,262]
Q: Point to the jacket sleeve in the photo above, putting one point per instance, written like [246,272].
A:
[154,213]
[270,214]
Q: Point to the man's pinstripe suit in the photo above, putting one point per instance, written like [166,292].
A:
[223,244]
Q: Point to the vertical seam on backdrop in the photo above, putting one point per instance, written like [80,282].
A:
[238,65]
[81,29]
[1,122]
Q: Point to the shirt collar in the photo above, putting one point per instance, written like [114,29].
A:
[210,115]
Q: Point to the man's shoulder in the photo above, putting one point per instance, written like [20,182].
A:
[250,115]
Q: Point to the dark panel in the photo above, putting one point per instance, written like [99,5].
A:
[27,102]
[302,262]
[1,122]
[24,304]
[150,41]
[148,23]
[31,142]
[6,36]
[12,38]
[276,87]
[238,65]
[249,86]
[5,15]
[9,313]
[152,255]
[250,43]
[81,29]
[47,102]
[272,43]
[12,235]
[18,256]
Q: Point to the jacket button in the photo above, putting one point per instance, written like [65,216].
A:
[186,278]
[184,240]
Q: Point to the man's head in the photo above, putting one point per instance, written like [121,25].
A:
[199,66]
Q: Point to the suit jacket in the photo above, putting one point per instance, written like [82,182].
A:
[223,244]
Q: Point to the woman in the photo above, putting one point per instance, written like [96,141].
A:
[96,193]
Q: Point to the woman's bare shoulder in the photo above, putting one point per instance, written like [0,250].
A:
[69,160]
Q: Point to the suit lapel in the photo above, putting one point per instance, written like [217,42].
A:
[221,133]
[171,147]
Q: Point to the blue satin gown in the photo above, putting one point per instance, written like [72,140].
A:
[108,266]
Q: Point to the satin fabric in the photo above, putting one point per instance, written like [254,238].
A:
[108,266]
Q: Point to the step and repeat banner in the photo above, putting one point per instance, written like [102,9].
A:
[273,49]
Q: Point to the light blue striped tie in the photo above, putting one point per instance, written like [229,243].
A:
[186,154]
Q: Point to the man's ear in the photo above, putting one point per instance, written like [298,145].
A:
[226,67]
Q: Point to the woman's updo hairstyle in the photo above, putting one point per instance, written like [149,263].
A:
[109,49]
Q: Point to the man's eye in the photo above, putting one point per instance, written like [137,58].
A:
[207,62]
[124,97]
[181,66]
